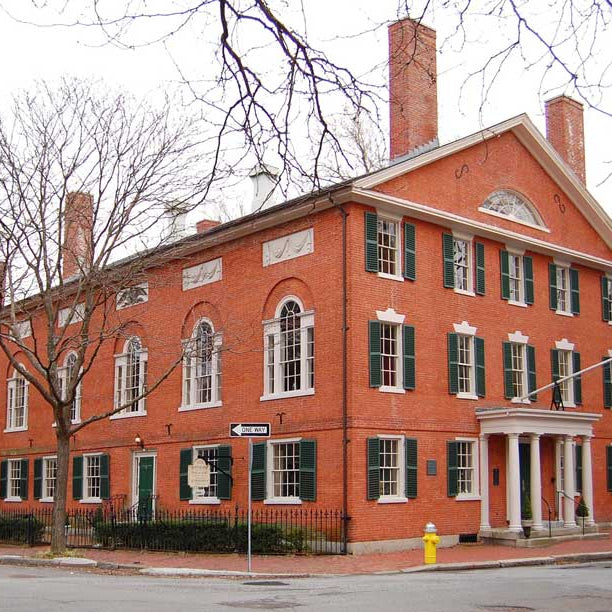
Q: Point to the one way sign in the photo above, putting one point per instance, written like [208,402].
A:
[250,430]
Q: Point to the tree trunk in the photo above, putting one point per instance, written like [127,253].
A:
[58,533]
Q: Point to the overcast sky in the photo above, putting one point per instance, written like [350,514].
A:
[31,53]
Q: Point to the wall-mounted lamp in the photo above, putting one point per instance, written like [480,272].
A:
[138,441]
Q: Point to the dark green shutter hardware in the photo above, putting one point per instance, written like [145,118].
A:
[77,477]
[531,372]
[104,477]
[552,286]
[374,343]
[373,484]
[577,379]
[449,260]
[3,479]
[371,242]
[554,360]
[186,457]
[607,383]
[451,464]
[23,482]
[480,268]
[528,272]
[453,358]
[575,291]
[224,472]
[38,465]
[409,357]
[258,472]
[409,251]
[504,266]
[308,470]
[410,449]
[480,366]
[606,304]
[508,382]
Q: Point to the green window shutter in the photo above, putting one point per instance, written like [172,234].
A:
[606,305]
[451,465]
[104,476]
[528,273]
[77,477]
[453,358]
[577,379]
[409,357]
[531,372]
[308,470]
[409,251]
[3,478]
[480,366]
[508,386]
[224,472]
[578,462]
[371,242]
[504,267]
[258,472]
[554,362]
[609,466]
[552,286]
[23,484]
[186,458]
[607,383]
[373,468]
[410,450]
[480,268]
[38,477]
[449,260]
[575,290]
[374,341]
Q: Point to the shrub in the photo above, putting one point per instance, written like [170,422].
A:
[22,529]
[582,511]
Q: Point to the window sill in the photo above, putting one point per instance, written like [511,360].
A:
[13,499]
[14,429]
[384,389]
[564,313]
[467,396]
[285,501]
[464,292]
[46,500]
[275,396]
[516,400]
[392,500]
[394,277]
[466,497]
[205,501]
[91,500]
[127,415]
[515,303]
[192,407]
[569,405]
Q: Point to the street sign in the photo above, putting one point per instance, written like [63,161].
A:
[250,430]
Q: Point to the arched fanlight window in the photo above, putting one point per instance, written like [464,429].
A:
[131,378]
[509,204]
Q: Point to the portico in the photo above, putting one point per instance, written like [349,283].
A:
[529,426]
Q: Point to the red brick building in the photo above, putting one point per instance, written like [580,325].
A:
[389,328]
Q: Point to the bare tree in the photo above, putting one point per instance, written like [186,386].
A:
[84,179]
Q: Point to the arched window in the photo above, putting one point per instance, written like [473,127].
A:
[65,374]
[131,378]
[508,204]
[202,368]
[17,403]
[289,351]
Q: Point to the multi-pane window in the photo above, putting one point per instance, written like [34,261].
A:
[389,467]
[465,364]
[563,303]
[565,369]
[202,367]
[210,456]
[91,474]
[518,369]
[465,468]
[286,470]
[65,375]
[389,354]
[131,378]
[14,479]
[461,260]
[289,351]
[515,267]
[388,244]
[49,475]
[17,402]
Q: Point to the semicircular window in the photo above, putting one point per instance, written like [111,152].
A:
[511,205]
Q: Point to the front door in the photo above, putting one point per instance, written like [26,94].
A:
[525,470]
[145,486]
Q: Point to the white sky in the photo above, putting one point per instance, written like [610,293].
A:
[31,53]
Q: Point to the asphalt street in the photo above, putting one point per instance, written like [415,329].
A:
[584,587]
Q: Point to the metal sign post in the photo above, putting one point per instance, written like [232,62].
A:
[250,431]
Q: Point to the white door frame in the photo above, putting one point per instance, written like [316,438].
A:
[135,473]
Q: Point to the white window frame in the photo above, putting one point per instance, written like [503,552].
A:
[190,365]
[46,463]
[519,341]
[87,485]
[10,479]
[270,497]
[391,318]
[562,272]
[469,242]
[518,256]
[11,406]
[475,469]
[62,375]
[121,380]
[467,333]
[71,314]
[566,350]
[205,499]
[272,353]
[396,221]
[22,329]
[401,471]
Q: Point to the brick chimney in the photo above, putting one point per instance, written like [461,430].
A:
[565,132]
[78,225]
[205,224]
[413,94]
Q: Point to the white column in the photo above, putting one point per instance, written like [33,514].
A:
[514,488]
[484,482]
[587,479]
[536,481]
[558,478]
[568,484]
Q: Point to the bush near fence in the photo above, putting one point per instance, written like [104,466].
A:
[21,529]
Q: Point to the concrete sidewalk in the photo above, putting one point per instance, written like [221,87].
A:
[460,557]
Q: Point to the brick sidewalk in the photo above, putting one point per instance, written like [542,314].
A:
[310,564]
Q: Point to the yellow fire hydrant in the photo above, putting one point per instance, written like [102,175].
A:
[431,539]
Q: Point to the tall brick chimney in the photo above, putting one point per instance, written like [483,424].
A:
[565,132]
[78,224]
[413,93]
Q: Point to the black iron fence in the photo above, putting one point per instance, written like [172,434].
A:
[274,531]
